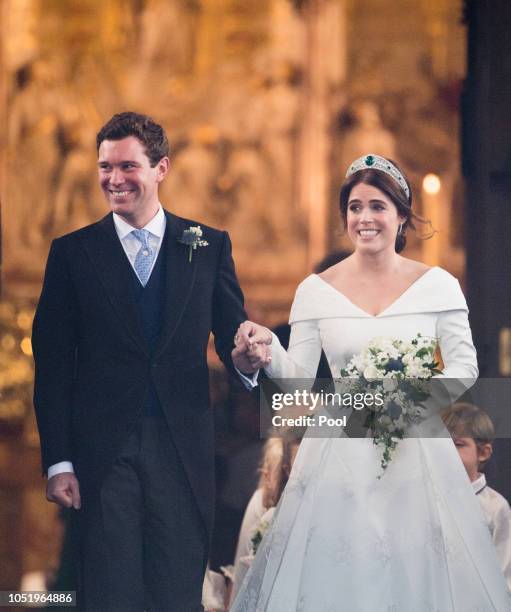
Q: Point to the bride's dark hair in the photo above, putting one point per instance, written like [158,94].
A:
[391,188]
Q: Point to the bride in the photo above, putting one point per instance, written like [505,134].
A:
[343,539]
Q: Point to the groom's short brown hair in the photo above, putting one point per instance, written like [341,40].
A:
[150,134]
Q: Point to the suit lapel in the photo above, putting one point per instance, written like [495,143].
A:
[114,270]
[180,278]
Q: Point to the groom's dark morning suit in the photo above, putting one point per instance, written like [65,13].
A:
[121,390]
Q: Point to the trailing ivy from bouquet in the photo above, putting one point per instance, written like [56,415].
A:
[399,371]
[262,528]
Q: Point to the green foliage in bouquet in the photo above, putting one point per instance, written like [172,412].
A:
[399,371]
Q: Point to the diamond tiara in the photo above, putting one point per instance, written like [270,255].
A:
[376,162]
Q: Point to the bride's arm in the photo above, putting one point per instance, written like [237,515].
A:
[257,347]
[458,354]
[302,357]
[456,346]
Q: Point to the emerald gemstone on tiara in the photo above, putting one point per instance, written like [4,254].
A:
[369,160]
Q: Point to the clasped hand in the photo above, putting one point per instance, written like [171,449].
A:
[252,350]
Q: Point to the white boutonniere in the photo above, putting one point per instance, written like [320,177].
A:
[192,238]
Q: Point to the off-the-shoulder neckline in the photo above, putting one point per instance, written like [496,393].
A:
[416,282]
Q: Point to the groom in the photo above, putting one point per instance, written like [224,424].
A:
[121,386]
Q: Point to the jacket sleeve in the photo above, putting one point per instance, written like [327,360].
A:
[54,343]
[228,311]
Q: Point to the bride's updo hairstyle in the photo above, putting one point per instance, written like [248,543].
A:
[391,181]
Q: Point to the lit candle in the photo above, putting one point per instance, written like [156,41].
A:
[431,188]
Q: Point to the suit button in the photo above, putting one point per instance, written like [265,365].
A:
[154,364]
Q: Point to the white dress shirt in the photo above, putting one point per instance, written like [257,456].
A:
[131,246]
[497,515]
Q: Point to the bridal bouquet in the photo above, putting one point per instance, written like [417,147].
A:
[399,371]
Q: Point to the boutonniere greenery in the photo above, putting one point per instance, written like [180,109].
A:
[192,237]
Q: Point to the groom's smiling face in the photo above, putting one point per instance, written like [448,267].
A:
[129,182]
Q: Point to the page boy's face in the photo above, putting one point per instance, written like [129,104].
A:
[472,455]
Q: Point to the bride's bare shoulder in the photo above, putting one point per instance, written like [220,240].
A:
[336,271]
[415,268]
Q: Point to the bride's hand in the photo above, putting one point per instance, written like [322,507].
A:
[250,333]
[252,347]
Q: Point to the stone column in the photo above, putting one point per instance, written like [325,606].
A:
[3,113]
[325,71]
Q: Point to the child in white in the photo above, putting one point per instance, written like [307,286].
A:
[473,433]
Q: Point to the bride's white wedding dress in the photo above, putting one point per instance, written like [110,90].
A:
[344,540]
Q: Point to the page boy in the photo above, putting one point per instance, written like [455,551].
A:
[473,434]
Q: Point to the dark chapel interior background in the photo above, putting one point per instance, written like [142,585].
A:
[265,103]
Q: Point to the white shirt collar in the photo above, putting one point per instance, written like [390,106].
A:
[479,483]
[156,225]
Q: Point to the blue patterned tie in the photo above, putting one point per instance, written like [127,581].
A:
[145,256]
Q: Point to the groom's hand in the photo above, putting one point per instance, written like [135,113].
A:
[64,490]
[252,359]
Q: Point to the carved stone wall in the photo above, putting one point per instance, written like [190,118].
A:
[405,66]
